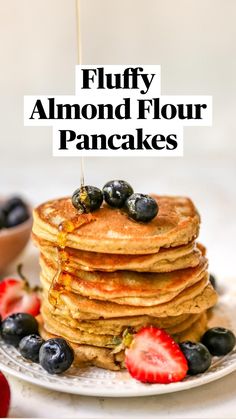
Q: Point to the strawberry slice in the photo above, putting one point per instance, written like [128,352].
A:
[4,396]
[154,357]
[16,296]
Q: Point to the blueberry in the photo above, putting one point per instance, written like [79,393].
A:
[197,355]
[116,192]
[87,199]
[16,326]
[141,207]
[219,341]
[56,356]
[212,280]
[13,203]
[17,216]
[29,347]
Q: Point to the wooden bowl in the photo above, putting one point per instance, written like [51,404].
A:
[13,240]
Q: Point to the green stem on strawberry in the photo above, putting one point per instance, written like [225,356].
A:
[27,286]
[127,338]
[22,276]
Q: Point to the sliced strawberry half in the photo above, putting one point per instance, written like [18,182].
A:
[16,296]
[154,357]
[4,396]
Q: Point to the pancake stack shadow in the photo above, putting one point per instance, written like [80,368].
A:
[104,275]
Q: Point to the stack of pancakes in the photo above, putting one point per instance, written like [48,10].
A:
[104,275]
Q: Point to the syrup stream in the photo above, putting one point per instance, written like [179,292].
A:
[67,226]
[61,280]
[78,21]
[79,58]
[82,171]
[57,284]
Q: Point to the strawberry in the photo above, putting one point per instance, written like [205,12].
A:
[4,396]
[154,357]
[16,296]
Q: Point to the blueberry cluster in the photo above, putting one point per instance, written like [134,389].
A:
[13,212]
[21,331]
[217,341]
[117,194]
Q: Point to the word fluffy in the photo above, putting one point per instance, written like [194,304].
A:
[131,78]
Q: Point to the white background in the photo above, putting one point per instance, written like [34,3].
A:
[195,42]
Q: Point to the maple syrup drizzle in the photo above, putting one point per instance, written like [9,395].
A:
[67,226]
[82,171]
[78,21]
[61,278]
[56,286]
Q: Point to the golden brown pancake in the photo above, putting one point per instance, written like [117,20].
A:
[166,260]
[125,287]
[117,326]
[57,325]
[195,331]
[194,299]
[110,230]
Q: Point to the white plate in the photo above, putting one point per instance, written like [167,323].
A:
[98,382]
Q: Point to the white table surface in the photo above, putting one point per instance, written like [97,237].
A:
[214,400]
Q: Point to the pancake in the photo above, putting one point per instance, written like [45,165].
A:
[166,260]
[125,287]
[194,299]
[117,326]
[195,331]
[52,324]
[109,230]
[56,325]
[87,355]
